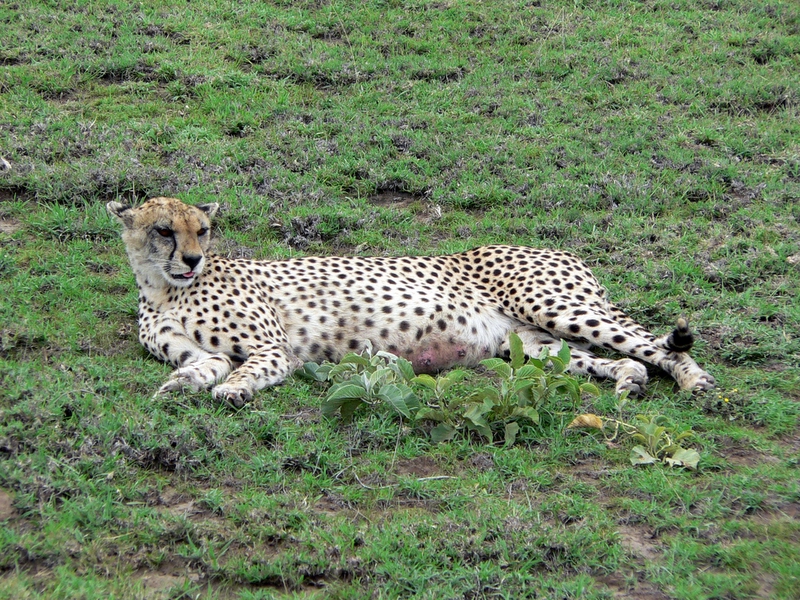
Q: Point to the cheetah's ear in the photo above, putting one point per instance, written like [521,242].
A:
[121,212]
[210,209]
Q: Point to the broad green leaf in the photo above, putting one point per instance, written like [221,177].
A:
[425,380]
[529,371]
[443,433]
[356,359]
[475,413]
[340,371]
[395,396]
[405,368]
[455,375]
[347,406]
[522,384]
[683,435]
[498,365]
[484,395]
[558,365]
[590,388]
[430,414]
[412,402]
[379,377]
[512,429]
[536,362]
[526,412]
[310,371]
[517,351]
[564,353]
[640,456]
[527,396]
[483,430]
[346,390]
[347,409]
[684,457]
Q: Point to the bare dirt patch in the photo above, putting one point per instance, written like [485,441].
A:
[422,211]
[421,466]
[9,226]
[738,455]
[392,199]
[640,590]
[7,510]
[638,542]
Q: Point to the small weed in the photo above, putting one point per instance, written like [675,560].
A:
[659,439]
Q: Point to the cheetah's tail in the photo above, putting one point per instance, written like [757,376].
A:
[681,338]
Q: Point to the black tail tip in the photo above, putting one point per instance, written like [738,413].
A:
[681,338]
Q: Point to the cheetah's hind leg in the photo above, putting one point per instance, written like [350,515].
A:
[630,375]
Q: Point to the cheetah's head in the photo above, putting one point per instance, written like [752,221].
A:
[166,240]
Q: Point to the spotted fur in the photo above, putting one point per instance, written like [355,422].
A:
[241,325]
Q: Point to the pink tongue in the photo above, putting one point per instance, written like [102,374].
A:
[188,275]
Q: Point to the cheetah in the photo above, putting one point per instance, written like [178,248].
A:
[241,325]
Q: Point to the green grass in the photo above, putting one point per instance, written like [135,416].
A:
[658,140]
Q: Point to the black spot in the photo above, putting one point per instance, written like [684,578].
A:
[462,320]
[592,322]
[387,309]
[353,344]
[441,324]
[619,339]
[575,328]
[404,326]
[198,336]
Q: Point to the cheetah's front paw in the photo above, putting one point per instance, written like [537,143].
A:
[235,395]
[183,379]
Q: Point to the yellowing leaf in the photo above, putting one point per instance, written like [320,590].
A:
[586,421]
[684,457]
[640,456]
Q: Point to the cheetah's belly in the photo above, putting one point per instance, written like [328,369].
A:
[431,333]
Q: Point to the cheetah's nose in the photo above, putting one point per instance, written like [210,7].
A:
[191,260]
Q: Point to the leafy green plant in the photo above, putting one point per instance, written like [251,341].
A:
[374,378]
[525,386]
[366,379]
[659,440]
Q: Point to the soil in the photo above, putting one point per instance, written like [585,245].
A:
[7,510]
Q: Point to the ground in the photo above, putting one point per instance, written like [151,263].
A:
[656,140]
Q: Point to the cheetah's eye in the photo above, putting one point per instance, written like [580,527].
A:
[164,231]
[202,231]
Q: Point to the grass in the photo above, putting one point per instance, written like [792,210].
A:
[657,140]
